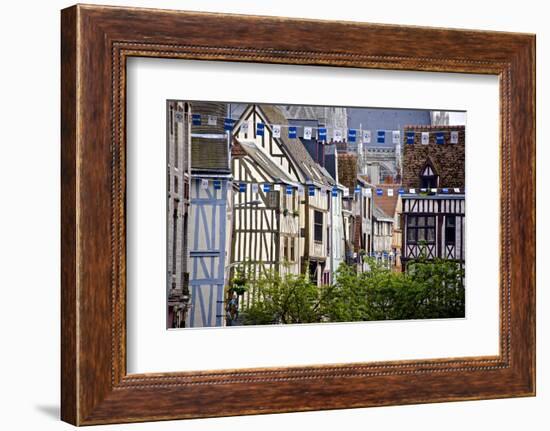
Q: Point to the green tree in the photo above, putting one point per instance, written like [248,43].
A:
[429,289]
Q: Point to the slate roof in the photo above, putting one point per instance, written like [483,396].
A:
[309,168]
[209,147]
[381,215]
[243,147]
[209,155]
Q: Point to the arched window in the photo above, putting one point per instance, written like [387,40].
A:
[428,177]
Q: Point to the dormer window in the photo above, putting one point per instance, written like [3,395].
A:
[428,177]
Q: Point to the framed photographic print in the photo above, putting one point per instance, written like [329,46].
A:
[292,215]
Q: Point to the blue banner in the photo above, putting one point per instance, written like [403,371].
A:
[260,129]
[439,138]
[322,134]
[381,136]
[228,124]
[410,137]
[196,119]
[352,135]
[292,132]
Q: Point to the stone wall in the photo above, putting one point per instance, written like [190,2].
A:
[447,159]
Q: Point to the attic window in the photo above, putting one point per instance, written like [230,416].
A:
[428,171]
[429,178]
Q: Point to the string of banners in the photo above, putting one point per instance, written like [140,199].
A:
[312,190]
[322,132]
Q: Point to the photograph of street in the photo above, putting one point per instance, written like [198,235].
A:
[291,214]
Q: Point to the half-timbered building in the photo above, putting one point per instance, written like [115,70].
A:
[433,207]
[210,215]
[433,226]
[255,126]
[266,225]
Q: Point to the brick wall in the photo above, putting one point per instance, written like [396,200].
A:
[447,159]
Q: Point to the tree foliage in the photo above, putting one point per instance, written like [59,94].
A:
[429,289]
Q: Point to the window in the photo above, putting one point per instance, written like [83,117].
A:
[292,250]
[428,178]
[450,230]
[421,229]
[318,226]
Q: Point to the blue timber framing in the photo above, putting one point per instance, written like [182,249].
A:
[208,252]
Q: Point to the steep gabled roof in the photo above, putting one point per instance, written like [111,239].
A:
[249,148]
[381,215]
[305,163]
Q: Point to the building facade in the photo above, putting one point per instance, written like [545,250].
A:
[433,206]
[210,216]
[178,177]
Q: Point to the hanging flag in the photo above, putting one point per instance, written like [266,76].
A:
[212,120]
[288,190]
[244,127]
[276,130]
[423,190]
[457,190]
[410,137]
[379,192]
[260,129]
[368,192]
[366,136]
[204,183]
[337,135]
[401,191]
[301,190]
[196,119]
[277,187]
[433,190]
[242,187]
[445,190]
[425,138]
[255,188]
[334,191]
[439,138]
[179,116]
[311,190]
[322,133]
[396,137]
[381,136]
[346,192]
[390,192]
[217,184]
[292,132]
[412,191]
[357,189]
[352,135]
[308,132]
[228,124]
[454,137]
[267,187]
